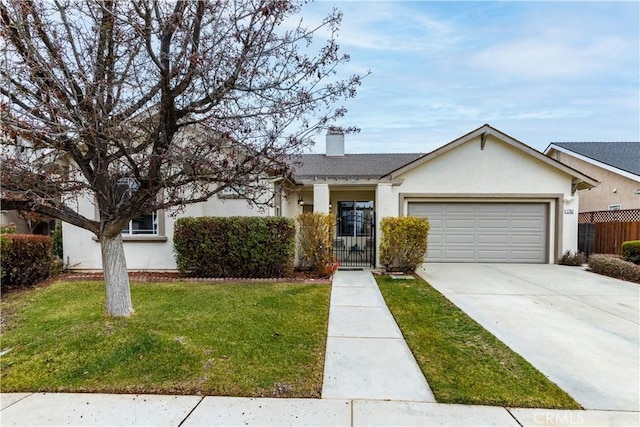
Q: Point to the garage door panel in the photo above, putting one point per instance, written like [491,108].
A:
[463,255]
[526,256]
[493,208]
[436,253]
[435,238]
[459,208]
[492,255]
[493,239]
[493,223]
[459,238]
[464,224]
[436,223]
[485,232]
[420,209]
[528,208]
[532,224]
[527,240]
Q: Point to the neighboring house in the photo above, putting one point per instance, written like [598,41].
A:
[488,197]
[616,165]
[11,217]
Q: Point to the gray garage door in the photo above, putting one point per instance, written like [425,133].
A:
[485,232]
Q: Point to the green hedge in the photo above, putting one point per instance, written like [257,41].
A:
[235,246]
[404,242]
[25,259]
[631,251]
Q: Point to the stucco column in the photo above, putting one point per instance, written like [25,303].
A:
[321,198]
[386,205]
[569,235]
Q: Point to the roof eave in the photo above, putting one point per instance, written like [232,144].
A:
[592,161]
[483,132]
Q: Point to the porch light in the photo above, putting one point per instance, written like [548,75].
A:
[300,200]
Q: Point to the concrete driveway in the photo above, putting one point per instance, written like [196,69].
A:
[578,328]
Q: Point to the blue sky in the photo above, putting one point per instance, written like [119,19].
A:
[539,71]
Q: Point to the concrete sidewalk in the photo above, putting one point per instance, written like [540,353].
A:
[61,409]
[367,357]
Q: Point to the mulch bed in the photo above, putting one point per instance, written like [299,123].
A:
[170,276]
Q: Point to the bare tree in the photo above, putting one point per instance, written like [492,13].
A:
[148,104]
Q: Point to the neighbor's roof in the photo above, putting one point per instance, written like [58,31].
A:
[623,155]
[374,166]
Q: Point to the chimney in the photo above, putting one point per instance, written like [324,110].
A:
[335,142]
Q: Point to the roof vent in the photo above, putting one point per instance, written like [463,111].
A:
[335,142]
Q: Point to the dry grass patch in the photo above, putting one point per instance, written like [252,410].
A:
[185,338]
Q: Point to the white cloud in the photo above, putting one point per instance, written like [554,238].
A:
[544,58]
[539,71]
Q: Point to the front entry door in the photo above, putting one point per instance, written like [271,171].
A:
[355,239]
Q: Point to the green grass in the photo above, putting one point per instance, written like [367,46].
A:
[463,362]
[185,338]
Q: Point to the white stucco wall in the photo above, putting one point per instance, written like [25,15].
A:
[82,251]
[321,198]
[500,172]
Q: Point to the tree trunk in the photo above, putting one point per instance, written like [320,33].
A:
[116,277]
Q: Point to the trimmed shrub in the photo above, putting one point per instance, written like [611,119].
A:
[631,251]
[403,244]
[573,259]
[234,246]
[613,266]
[315,243]
[25,259]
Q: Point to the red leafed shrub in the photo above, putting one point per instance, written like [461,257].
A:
[613,266]
[25,259]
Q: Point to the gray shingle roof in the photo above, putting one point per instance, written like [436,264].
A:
[621,155]
[373,166]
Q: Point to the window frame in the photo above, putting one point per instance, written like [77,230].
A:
[155,231]
[352,231]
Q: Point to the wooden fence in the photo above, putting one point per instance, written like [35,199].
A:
[602,232]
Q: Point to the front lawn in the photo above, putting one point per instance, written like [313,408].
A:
[463,362]
[186,338]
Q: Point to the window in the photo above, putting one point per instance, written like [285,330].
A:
[354,218]
[232,193]
[143,224]
[615,207]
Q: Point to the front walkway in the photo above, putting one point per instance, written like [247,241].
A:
[367,357]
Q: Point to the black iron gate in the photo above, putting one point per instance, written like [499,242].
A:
[586,238]
[355,240]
